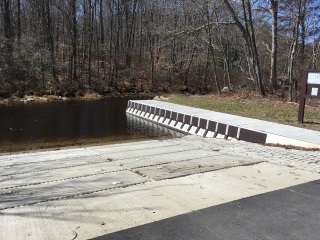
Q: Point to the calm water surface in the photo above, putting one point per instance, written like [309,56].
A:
[57,124]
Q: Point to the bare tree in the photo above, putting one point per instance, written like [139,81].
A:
[7,31]
[48,29]
[19,20]
[248,35]
[273,6]
[104,45]
[92,6]
[211,46]
[315,19]
[74,40]
[293,50]
[130,29]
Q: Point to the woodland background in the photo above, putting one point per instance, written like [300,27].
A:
[68,47]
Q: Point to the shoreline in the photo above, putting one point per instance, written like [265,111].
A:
[44,146]
[96,143]
[71,145]
[13,100]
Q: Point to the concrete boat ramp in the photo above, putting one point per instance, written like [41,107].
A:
[187,187]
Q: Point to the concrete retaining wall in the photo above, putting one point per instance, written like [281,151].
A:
[193,124]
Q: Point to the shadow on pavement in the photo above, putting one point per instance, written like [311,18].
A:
[291,213]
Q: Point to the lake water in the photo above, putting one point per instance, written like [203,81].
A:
[68,123]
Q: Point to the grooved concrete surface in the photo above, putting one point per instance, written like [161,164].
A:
[84,193]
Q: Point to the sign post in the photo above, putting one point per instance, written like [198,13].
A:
[310,88]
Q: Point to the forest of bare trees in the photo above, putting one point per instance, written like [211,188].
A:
[72,46]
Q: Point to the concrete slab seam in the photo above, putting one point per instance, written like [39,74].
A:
[123,145]
[66,167]
[185,160]
[73,196]
[56,152]
[212,170]
[48,161]
[63,179]
[158,154]
[95,154]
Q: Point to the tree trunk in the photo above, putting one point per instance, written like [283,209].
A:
[102,40]
[303,15]
[189,66]
[7,20]
[314,23]
[205,74]
[210,48]
[19,21]
[91,29]
[224,47]
[274,50]
[116,55]
[152,61]
[293,48]
[74,41]
[130,34]
[50,41]
[111,30]
[255,51]
[7,33]
[249,37]
[215,69]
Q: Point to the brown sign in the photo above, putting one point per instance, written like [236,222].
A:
[310,88]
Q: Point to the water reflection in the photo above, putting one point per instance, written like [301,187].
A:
[137,125]
[59,124]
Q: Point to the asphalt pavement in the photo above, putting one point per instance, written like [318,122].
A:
[289,214]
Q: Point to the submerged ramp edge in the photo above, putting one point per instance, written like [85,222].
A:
[219,125]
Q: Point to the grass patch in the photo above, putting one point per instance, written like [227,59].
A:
[268,109]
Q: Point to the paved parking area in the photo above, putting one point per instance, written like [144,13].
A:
[287,214]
